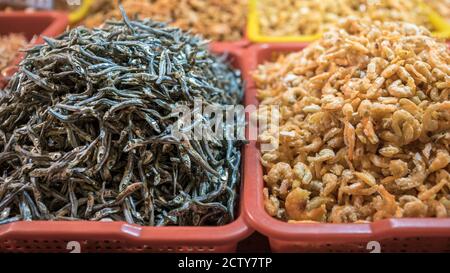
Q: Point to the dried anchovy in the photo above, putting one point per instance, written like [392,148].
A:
[86,130]
[9,46]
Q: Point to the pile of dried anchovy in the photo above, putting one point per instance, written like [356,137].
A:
[86,130]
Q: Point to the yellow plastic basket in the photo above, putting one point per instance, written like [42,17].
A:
[253,30]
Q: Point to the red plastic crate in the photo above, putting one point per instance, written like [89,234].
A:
[30,24]
[393,235]
[48,236]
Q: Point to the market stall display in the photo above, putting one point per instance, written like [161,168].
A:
[95,145]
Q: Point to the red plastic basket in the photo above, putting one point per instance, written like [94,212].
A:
[38,236]
[394,235]
[30,24]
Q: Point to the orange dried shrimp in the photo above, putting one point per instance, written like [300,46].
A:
[364,126]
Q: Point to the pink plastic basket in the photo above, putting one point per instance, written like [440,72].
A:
[50,236]
[394,235]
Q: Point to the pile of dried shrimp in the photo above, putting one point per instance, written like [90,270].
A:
[364,126]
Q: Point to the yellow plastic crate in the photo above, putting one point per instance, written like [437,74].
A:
[253,31]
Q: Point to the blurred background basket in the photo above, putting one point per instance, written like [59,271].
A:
[254,34]
[33,25]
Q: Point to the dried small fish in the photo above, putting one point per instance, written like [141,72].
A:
[87,129]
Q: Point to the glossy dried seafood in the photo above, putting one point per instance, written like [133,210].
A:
[366,116]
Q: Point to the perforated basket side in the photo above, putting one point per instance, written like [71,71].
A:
[393,245]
